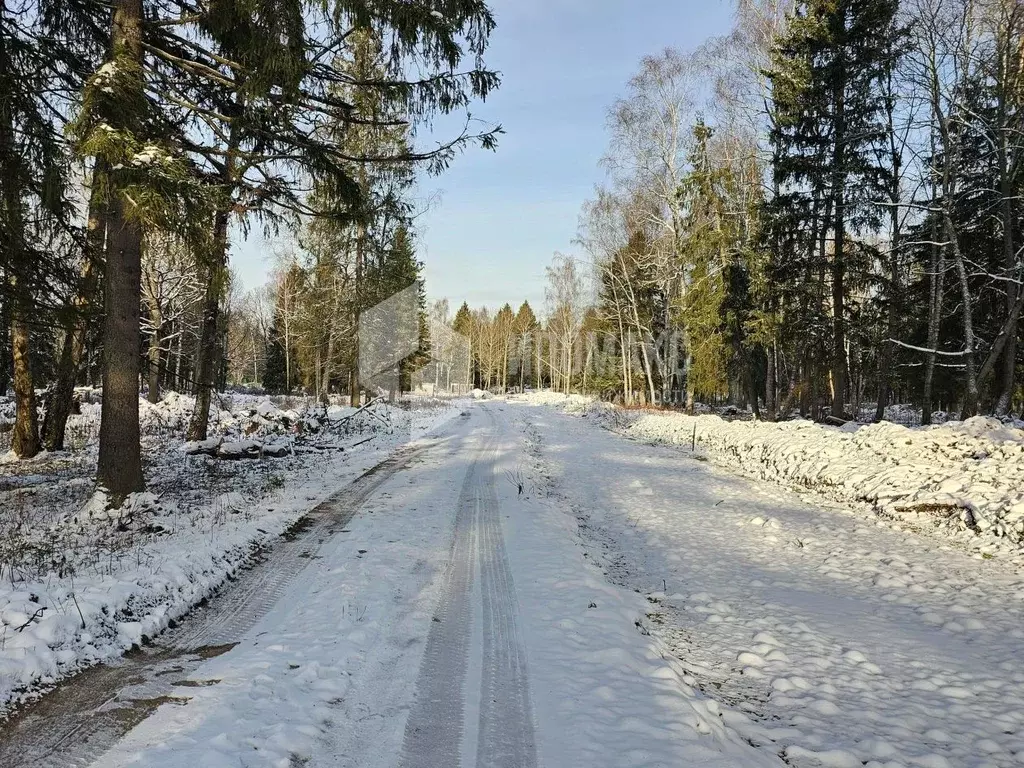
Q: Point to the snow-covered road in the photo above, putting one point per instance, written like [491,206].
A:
[503,733]
[818,630]
[525,589]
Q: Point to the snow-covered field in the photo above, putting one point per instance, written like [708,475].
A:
[964,480]
[81,585]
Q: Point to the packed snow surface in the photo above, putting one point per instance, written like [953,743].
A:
[331,677]
[964,479]
[82,583]
[825,637]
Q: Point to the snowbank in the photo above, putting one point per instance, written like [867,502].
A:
[82,583]
[966,478]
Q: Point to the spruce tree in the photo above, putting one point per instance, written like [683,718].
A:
[275,373]
[463,324]
[213,115]
[35,212]
[828,119]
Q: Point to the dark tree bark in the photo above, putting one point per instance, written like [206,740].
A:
[62,396]
[75,329]
[25,440]
[888,351]
[1008,164]
[153,356]
[120,460]
[936,285]
[119,469]
[839,256]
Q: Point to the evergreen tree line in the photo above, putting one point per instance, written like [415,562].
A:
[819,213]
[139,138]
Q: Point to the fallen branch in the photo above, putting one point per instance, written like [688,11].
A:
[32,618]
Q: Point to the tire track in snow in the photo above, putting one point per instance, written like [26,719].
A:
[233,613]
[506,737]
[434,730]
[86,714]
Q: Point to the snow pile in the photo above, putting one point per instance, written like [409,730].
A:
[81,582]
[965,477]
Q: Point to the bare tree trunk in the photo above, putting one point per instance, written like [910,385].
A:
[25,439]
[355,384]
[317,369]
[1008,76]
[971,381]
[119,468]
[538,373]
[287,344]
[153,354]
[179,341]
[691,389]
[1003,339]
[936,290]
[839,310]
[4,378]
[75,329]
[1005,343]
[325,381]
[806,388]
[888,351]
[206,352]
[838,191]
[627,389]
[120,462]
[58,407]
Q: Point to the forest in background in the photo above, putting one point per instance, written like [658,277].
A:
[139,138]
[816,214]
[819,213]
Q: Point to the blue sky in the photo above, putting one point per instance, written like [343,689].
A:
[501,216]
